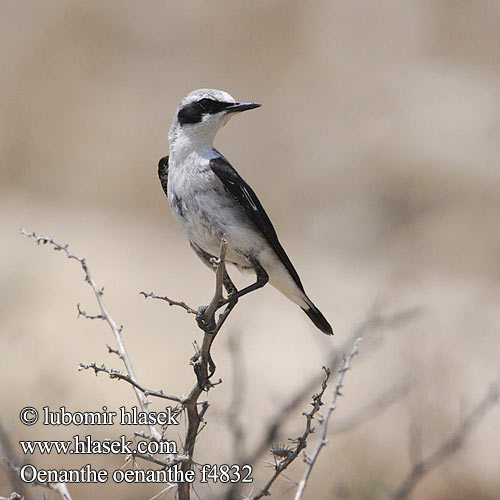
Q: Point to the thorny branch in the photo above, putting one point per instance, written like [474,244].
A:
[373,322]
[196,409]
[287,455]
[60,488]
[201,361]
[8,455]
[452,444]
[170,302]
[115,374]
[104,315]
[13,496]
[205,316]
[311,460]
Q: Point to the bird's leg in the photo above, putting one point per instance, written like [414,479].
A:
[231,300]
[206,258]
[262,279]
[229,286]
[224,314]
[220,321]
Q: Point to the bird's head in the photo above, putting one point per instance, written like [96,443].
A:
[202,113]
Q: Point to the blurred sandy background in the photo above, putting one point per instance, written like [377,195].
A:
[376,153]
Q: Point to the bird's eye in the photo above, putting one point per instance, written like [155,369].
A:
[205,104]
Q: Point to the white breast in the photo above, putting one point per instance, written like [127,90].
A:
[206,212]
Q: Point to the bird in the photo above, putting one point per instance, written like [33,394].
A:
[211,201]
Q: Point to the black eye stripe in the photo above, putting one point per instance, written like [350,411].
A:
[192,113]
[211,106]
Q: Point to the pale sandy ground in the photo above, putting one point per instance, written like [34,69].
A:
[376,153]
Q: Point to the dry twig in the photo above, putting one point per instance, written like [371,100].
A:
[13,496]
[452,444]
[170,302]
[9,456]
[103,314]
[115,374]
[311,460]
[289,455]
[374,321]
[201,361]
[60,488]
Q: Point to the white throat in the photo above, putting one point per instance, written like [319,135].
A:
[198,138]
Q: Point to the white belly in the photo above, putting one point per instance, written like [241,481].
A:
[206,213]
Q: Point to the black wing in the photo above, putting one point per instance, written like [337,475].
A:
[163,173]
[246,197]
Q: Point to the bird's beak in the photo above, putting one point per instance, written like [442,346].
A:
[242,106]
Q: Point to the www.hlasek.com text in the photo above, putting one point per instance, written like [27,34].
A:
[89,446]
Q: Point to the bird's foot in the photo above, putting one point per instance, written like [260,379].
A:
[210,327]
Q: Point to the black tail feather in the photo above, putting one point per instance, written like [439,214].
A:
[318,319]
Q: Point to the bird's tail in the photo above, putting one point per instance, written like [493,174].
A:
[317,318]
[284,282]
